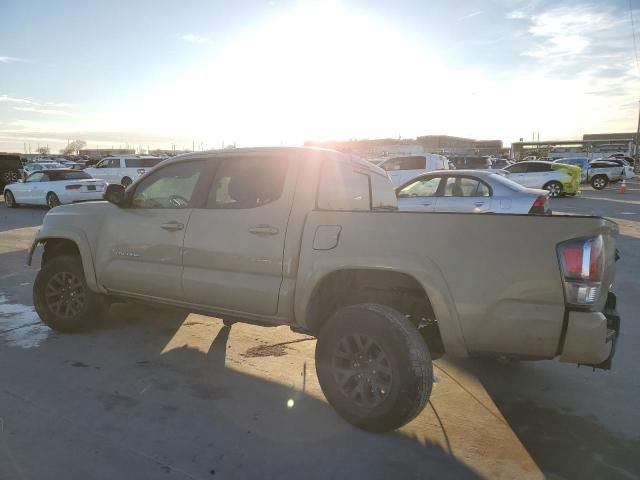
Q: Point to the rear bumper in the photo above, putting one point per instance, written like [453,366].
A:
[591,336]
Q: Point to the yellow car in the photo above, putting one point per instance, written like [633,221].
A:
[558,179]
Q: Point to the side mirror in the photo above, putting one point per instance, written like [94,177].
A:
[115,194]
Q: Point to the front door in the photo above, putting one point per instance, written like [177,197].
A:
[233,257]
[140,246]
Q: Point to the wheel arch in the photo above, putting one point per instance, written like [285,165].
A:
[65,244]
[406,291]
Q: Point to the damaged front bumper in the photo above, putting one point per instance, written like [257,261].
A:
[591,336]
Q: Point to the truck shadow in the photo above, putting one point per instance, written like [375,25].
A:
[21,217]
[562,443]
[195,414]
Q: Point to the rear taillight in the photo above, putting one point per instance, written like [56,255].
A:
[582,265]
[73,187]
[541,205]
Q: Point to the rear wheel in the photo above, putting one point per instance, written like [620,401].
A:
[554,189]
[374,367]
[126,181]
[9,199]
[52,200]
[62,298]
[599,182]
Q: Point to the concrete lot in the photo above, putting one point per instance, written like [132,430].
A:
[155,393]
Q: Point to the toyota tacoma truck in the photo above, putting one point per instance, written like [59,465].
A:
[312,239]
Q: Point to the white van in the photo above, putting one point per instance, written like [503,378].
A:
[404,168]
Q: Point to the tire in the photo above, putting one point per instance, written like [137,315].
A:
[9,199]
[599,182]
[356,341]
[126,181]
[554,188]
[62,298]
[52,200]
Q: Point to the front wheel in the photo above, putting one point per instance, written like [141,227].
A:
[374,367]
[9,199]
[599,182]
[554,189]
[62,298]
[52,200]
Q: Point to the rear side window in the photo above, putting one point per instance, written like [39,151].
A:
[68,176]
[517,168]
[465,187]
[538,167]
[142,162]
[247,182]
[415,162]
[343,188]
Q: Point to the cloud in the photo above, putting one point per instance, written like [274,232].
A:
[474,14]
[46,111]
[8,99]
[14,60]
[516,15]
[191,38]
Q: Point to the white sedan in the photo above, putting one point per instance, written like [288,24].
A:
[470,191]
[54,187]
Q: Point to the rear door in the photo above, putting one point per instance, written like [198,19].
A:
[421,195]
[233,247]
[538,174]
[464,195]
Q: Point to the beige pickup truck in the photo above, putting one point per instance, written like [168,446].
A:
[312,239]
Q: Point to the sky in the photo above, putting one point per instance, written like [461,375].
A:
[210,73]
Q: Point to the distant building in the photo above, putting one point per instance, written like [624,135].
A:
[99,153]
[592,146]
[443,144]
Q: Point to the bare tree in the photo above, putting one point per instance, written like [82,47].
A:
[43,150]
[73,148]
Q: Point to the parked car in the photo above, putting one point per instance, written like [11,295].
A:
[71,164]
[582,162]
[53,188]
[32,167]
[500,163]
[557,178]
[470,191]
[313,239]
[604,171]
[10,169]
[471,162]
[401,169]
[123,170]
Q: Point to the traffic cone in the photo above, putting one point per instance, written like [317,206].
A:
[623,186]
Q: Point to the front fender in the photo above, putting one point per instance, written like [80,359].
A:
[84,247]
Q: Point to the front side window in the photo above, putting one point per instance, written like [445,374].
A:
[465,187]
[247,182]
[427,187]
[342,188]
[171,187]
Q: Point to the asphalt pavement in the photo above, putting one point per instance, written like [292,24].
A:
[159,393]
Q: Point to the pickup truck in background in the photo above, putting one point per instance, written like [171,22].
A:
[312,239]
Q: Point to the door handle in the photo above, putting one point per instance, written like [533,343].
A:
[426,204]
[172,226]
[263,230]
[478,204]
